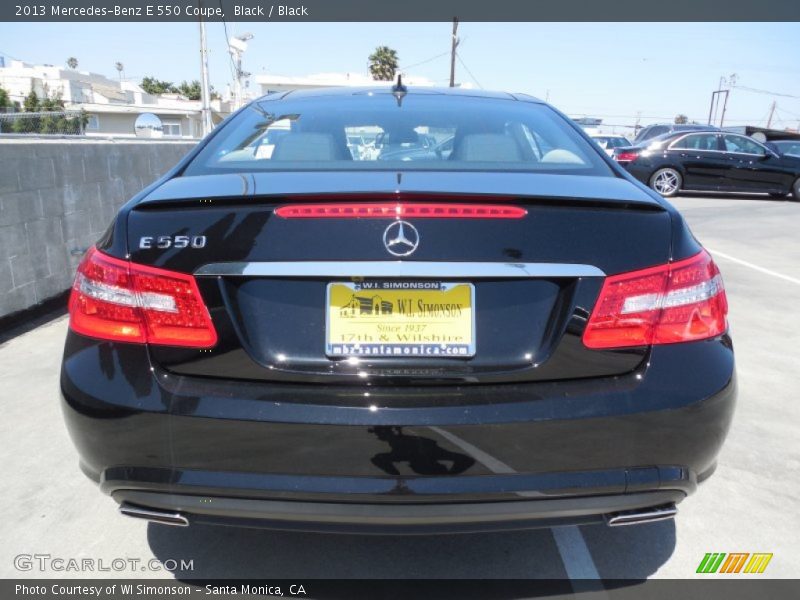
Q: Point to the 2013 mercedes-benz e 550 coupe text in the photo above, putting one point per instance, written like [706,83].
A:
[289,331]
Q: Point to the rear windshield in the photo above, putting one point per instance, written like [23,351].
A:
[611,141]
[375,131]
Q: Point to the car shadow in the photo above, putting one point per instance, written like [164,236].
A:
[631,553]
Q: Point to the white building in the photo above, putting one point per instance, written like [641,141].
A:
[111,105]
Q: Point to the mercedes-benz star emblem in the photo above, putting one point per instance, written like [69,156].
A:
[401,238]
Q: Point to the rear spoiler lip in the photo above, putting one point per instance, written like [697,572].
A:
[546,189]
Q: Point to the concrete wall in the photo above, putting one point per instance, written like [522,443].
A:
[57,197]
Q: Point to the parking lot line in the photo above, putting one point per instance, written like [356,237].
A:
[575,553]
[572,548]
[755,267]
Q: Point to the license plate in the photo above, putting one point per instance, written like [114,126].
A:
[425,319]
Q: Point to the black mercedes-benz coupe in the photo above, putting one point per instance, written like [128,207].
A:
[298,335]
[712,161]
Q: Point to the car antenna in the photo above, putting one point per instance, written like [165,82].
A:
[399,90]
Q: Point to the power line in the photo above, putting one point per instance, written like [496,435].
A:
[230,56]
[788,112]
[2,53]
[767,92]
[466,68]
[422,62]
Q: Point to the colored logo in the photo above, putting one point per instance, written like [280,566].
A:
[735,562]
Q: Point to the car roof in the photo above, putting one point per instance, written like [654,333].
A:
[667,124]
[410,90]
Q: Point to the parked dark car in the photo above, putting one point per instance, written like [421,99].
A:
[517,335]
[652,131]
[711,161]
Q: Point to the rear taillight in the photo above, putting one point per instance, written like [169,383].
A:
[678,302]
[118,300]
[398,210]
[626,156]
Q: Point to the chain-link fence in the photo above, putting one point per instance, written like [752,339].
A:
[39,123]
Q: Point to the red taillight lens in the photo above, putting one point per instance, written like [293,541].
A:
[117,300]
[398,210]
[626,156]
[678,302]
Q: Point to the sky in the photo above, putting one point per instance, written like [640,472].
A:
[620,72]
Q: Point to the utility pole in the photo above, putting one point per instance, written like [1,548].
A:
[237,46]
[731,81]
[771,114]
[454,45]
[715,98]
[724,107]
[205,95]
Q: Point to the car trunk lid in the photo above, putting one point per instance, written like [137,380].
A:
[529,283]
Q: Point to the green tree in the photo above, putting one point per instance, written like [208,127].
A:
[49,124]
[5,105]
[52,123]
[383,63]
[190,90]
[681,119]
[31,102]
[22,125]
[5,100]
[81,121]
[154,86]
[52,103]
[72,62]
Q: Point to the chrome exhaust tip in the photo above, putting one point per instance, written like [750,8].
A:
[643,515]
[154,515]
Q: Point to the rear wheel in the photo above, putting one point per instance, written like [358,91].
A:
[666,182]
[796,190]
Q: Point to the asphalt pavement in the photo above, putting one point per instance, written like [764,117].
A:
[749,505]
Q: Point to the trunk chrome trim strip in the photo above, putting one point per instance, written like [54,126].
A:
[398,268]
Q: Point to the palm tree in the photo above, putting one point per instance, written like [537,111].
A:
[383,63]
[120,68]
[72,62]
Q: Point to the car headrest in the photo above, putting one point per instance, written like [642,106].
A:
[488,147]
[305,147]
[560,155]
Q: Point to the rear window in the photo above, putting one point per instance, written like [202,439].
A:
[373,131]
[611,141]
[792,148]
[699,141]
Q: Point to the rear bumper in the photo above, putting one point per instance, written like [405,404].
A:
[398,458]
[392,519]
[641,170]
